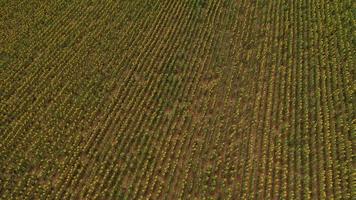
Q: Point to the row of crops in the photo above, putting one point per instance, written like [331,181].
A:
[159,99]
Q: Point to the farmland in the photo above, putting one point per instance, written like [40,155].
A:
[177,99]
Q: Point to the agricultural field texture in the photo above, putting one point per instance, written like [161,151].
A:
[177,99]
